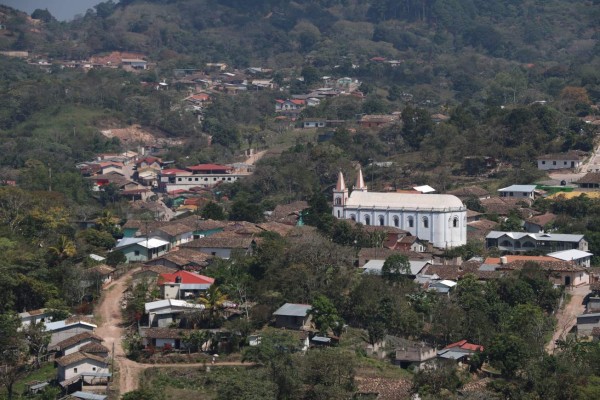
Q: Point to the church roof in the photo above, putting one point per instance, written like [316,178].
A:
[341,185]
[403,201]
[360,182]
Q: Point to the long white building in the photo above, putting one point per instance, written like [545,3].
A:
[440,219]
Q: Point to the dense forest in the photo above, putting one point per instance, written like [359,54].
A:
[516,79]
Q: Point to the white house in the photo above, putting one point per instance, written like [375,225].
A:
[579,257]
[440,219]
[35,316]
[87,367]
[518,191]
[518,242]
[572,159]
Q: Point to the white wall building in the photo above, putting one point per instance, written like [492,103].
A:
[440,219]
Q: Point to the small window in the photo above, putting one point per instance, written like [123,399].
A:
[381,221]
[228,179]
[425,222]
[455,222]
[93,368]
[75,370]
[338,201]
[367,220]
[396,221]
[353,217]
[543,162]
[137,252]
[411,222]
[214,253]
[338,213]
[196,179]
[179,179]
[553,162]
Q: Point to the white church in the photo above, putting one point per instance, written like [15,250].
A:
[440,219]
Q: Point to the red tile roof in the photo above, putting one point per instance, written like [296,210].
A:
[463,344]
[186,277]
[208,167]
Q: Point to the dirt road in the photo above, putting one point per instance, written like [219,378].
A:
[255,157]
[567,316]
[112,331]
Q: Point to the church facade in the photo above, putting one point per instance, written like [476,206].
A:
[440,219]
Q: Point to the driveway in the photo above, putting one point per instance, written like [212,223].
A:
[566,317]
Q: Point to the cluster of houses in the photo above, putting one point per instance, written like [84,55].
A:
[82,361]
[138,178]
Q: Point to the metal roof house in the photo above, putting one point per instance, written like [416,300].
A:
[519,191]
[520,242]
[142,249]
[293,316]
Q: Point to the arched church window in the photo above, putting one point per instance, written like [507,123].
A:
[338,213]
[455,222]
[411,222]
[381,220]
[338,201]
[506,243]
[396,221]
[425,222]
[367,220]
[353,217]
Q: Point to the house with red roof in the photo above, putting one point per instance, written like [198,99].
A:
[289,107]
[460,351]
[183,284]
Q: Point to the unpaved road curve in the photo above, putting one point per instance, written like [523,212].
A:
[112,331]
[566,317]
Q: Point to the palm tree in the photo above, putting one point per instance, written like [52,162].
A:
[64,248]
[213,300]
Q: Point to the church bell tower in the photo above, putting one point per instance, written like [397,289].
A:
[340,196]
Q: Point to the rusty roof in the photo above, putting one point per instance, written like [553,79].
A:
[77,357]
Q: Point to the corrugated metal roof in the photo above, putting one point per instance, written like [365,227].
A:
[553,237]
[518,188]
[88,396]
[293,310]
[569,255]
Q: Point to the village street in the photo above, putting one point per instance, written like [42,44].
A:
[566,317]
[111,329]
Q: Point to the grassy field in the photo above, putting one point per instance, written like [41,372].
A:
[45,373]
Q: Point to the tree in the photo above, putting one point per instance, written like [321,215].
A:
[115,258]
[64,248]
[395,268]
[329,374]
[13,352]
[212,211]
[43,15]
[325,316]
[194,339]
[275,352]
[507,352]
[213,300]
[37,339]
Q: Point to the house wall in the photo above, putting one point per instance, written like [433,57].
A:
[163,342]
[558,164]
[59,336]
[35,319]
[290,322]
[439,231]
[217,252]
[188,181]
[586,323]
[572,278]
[143,254]
[170,291]
[83,366]
[519,195]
